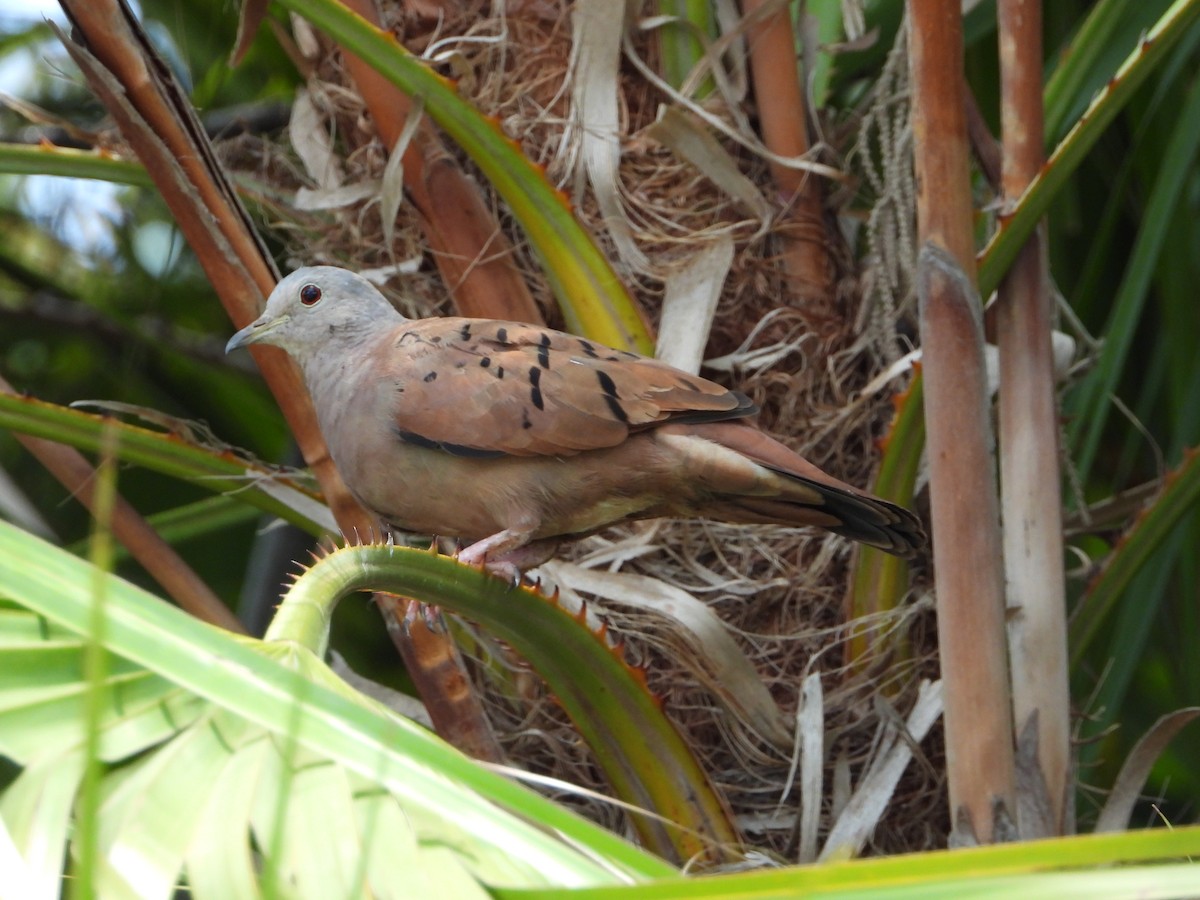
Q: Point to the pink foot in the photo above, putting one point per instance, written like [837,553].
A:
[508,553]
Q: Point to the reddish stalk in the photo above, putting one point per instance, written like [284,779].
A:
[782,116]
[965,509]
[1029,471]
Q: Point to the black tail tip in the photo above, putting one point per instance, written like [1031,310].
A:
[884,525]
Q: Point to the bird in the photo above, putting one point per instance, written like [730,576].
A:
[512,438]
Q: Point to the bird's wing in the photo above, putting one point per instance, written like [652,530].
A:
[478,387]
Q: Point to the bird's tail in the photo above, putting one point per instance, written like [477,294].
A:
[808,496]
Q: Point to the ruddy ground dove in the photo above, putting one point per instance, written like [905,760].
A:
[515,437]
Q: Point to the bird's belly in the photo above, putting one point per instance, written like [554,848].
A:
[431,492]
[425,491]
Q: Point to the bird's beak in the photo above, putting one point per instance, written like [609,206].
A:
[255,332]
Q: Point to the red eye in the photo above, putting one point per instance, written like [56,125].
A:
[310,294]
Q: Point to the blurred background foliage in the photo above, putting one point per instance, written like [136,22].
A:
[100,299]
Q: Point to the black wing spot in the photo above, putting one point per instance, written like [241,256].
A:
[485,362]
[588,349]
[525,423]
[500,371]
[502,335]
[535,392]
[544,351]
[465,332]
[418,440]
[611,397]
[607,384]
[432,376]
[618,411]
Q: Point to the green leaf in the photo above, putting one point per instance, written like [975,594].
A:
[144,834]
[1089,403]
[42,159]
[214,469]
[220,860]
[1029,869]
[1181,494]
[643,756]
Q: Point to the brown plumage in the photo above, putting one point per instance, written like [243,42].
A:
[514,437]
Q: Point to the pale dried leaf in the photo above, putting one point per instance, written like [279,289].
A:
[193,431]
[305,36]
[399,703]
[687,137]
[1063,347]
[714,657]
[810,724]
[16,507]
[748,358]
[598,32]
[900,367]
[854,20]
[311,509]
[857,821]
[689,303]
[381,274]
[36,115]
[308,200]
[841,789]
[391,192]
[312,142]
[741,133]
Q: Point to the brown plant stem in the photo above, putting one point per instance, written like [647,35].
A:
[782,116]
[1029,472]
[154,554]
[454,708]
[987,148]
[964,507]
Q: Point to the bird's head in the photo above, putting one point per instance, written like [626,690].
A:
[317,308]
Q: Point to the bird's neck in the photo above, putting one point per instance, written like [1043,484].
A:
[333,369]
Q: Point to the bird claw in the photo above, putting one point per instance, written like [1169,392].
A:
[428,613]
[508,555]
[507,571]
[499,568]
[480,554]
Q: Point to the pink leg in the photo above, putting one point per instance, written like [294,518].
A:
[507,553]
